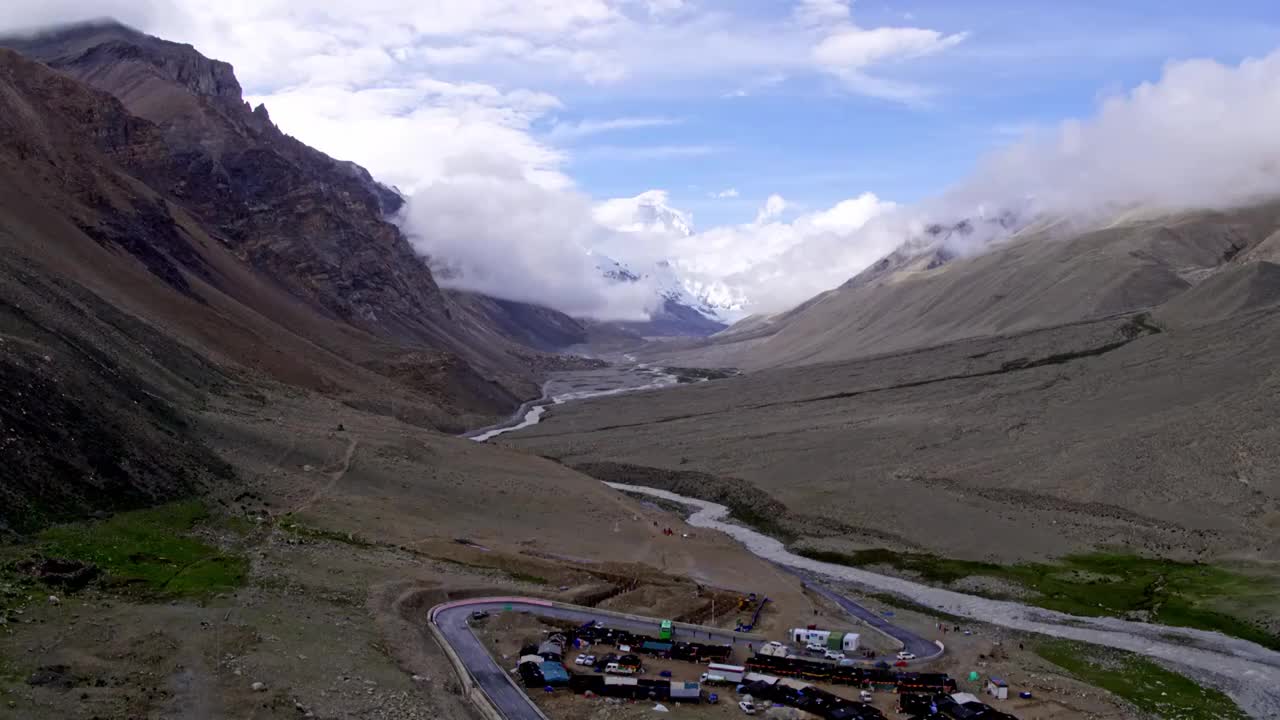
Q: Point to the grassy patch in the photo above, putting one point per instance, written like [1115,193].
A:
[1106,584]
[528,578]
[1148,686]
[152,552]
[689,375]
[295,528]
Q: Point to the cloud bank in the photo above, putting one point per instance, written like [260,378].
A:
[1201,137]
[455,102]
[488,229]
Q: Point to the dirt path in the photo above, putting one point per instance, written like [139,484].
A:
[334,477]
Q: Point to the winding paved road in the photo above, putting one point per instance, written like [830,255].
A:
[923,649]
[452,619]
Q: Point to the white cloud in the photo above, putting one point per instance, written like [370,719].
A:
[485,228]
[648,212]
[407,135]
[725,194]
[757,84]
[848,51]
[773,206]
[584,128]
[1202,136]
[822,12]
[444,100]
[775,265]
[646,152]
[852,48]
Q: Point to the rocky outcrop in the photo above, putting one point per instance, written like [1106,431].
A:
[316,226]
[144,277]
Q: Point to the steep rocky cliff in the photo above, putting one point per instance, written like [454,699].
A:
[315,225]
[163,247]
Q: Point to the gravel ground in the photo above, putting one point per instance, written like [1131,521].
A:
[1247,672]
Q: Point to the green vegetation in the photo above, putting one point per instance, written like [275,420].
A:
[1148,686]
[527,578]
[295,528]
[689,375]
[152,552]
[1105,584]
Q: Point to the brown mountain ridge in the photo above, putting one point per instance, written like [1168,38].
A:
[164,243]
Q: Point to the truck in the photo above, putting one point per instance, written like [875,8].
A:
[719,673]
[665,630]
[614,668]
[686,692]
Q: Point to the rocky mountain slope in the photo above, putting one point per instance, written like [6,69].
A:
[1042,276]
[163,243]
[315,225]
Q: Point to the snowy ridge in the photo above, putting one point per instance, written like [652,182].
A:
[649,214]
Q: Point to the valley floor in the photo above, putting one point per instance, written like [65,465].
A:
[314,580]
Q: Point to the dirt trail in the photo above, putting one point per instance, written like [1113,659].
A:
[334,478]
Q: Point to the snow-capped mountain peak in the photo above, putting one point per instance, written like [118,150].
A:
[646,212]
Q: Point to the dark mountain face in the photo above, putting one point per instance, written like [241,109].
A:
[317,226]
[165,245]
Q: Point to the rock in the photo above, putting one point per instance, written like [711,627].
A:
[55,676]
[259,687]
[69,574]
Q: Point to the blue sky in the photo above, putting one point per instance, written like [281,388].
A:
[1022,64]
[529,134]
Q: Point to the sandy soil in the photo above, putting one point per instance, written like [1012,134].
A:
[961,450]
[332,626]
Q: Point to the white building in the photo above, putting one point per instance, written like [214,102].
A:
[832,640]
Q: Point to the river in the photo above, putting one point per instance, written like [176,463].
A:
[1246,671]
[579,385]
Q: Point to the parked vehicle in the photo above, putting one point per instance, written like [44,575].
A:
[816,647]
[747,706]
[614,668]
[585,660]
[722,673]
[833,655]
[711,679]
[865,696]
[904,655]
